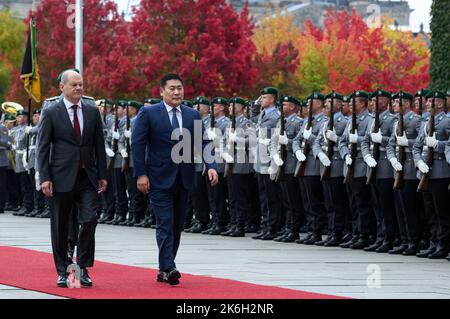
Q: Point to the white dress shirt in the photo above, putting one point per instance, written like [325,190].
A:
[71,113]
[178,113]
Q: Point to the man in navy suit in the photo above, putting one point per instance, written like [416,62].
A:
[160,172]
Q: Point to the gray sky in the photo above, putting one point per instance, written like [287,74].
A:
[420,14]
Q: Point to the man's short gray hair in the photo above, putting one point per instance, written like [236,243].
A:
[66,74]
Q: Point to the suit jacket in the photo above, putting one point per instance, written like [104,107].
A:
[59,152]
[152,146]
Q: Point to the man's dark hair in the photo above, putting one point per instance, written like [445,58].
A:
[168,77]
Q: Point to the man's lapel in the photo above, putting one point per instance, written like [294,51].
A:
[84,111]
[66,119]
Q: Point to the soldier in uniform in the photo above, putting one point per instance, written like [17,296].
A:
[311,178]
[359,190]
[151,101]
[199,200]
[409,214]
[290,188]
[13,184]
[333,186]
[20,142]
[439,171]
[269,190]
[4,139]
[218,194]
[118,178]
[137,201]
[236,146]
[382,192]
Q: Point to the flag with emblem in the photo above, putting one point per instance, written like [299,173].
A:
[30,68]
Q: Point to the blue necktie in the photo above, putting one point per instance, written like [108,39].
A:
[175,123]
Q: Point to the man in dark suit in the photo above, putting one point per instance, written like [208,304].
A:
[72,161]
[155,140]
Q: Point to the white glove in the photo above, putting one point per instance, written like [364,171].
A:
[402,140]
[127,133]
[232,136]
[211,134]
[109,152]
[37,182]
[348,160]
[370,161]
[278,160]
[115,135]
[307,133]
[271,170]
[13,147]
[28,129]
[396,164]
[353,138]
[324,159]
[283,139]
[331,135]
[228,158]
[423,167]
[431,141]
[300,156]
[124,153]
[376,137]
[264,141]
[24,161]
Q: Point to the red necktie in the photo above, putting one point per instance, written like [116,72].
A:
[76,128]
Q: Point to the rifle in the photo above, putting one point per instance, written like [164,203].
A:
[398,181]
[212,126]
[126,161]
[372,173]
[327,170]
[114,141]
[228,172]
[423,184]
[300,168]
[353,147]
[283,153]
[420,110]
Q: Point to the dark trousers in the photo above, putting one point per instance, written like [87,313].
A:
[271,198]
[107,197]
[341,205]
[351,218]
[26,187]
[200,199]
[120,194]
[382,189]
[39,202]
[84,197]
[329,207]
[410,212]
[441,200]
[314,192]
[292,196]
[13,188]
[3,181]
[431,216]
[254,216]
[136,198]
[306,204]
[240,191]
[169,207]
[361,194]
[219,202]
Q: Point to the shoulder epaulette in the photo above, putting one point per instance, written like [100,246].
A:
[51,99]
[88,97]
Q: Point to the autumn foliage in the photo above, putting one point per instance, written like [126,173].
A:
[219,52]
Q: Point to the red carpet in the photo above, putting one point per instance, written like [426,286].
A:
[33,270]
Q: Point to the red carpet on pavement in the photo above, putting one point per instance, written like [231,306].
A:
[33,270]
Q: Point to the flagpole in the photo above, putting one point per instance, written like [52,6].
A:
[79,35]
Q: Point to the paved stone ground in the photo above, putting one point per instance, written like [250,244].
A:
[335,271]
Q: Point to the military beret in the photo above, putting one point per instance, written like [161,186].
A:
[122,103]
[135,104]
[317,96]
[439,95]
[238,100]
[152,101]
[108,102]
[220,100]
[381,93]
[60,75]
[334,95]
[423,93]
[270,90]
[360,93]
[404,95]
[9,117]
[346,98]
[202,100]
[37,111]
[291,99]
[188,103]
[21,112]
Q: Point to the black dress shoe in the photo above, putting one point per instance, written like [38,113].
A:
[119,220]
[335,241]
[171,277]
[142,222]
[207,231]
[45,214]
[440,253]
[85,280]
[34,213]
[313,239]
[412,250]
[352,241]
[268,236]
[431,249]
[14,208]
[374,246]
[280,237]
[21,212]
[216,231]
[251,229]
[302,240]
[386,247]
[290,238]
[198,228]
[259,235]
[399,250]
[322,242]
[61,281]
[347,237]
[361,243]
[228,231]
[448,257]
[238,232]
